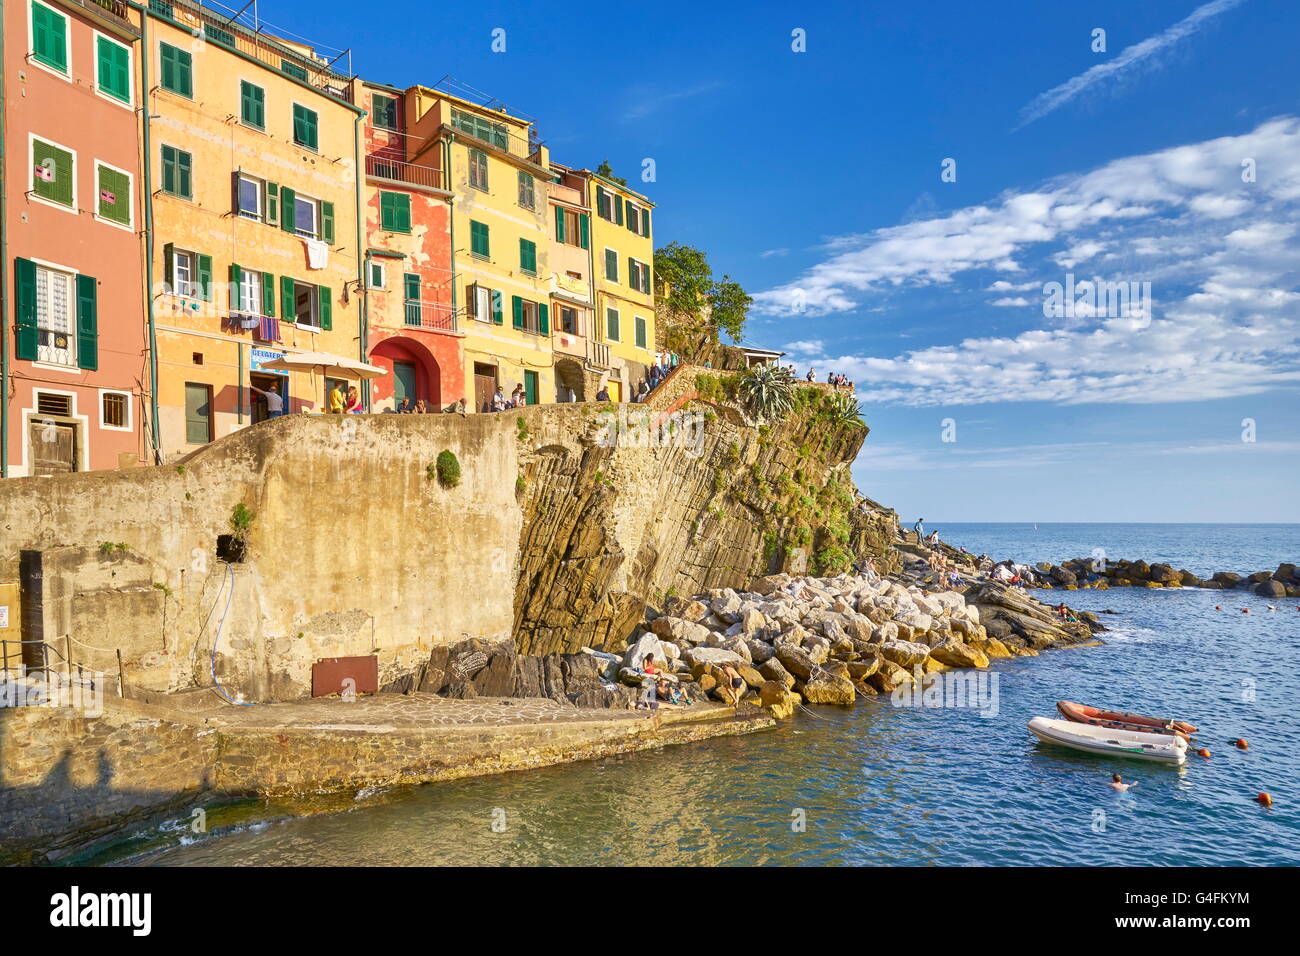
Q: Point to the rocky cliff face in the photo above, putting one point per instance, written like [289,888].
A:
[681,497]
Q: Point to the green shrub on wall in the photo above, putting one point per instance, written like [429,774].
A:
[448,469]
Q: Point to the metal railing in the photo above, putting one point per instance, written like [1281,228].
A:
[435,316]
[398,171]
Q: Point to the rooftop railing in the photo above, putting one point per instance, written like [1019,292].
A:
[398,171]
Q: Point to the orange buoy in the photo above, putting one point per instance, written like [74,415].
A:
[1219,607]
[1264,799]
[1245,610]
[1203,752]
[1241,744]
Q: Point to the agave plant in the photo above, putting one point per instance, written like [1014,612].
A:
[845,410]
[768,392]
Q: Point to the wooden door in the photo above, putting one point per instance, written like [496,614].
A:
[485,385]
[53,447]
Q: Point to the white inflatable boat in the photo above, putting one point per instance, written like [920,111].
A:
[1108,741]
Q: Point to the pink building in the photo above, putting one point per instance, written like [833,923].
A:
[75,360]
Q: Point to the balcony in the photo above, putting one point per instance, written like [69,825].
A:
[431,316]
[565,194]
[406,174]
[597,354]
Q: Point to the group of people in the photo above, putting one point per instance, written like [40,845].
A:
[421,407]
[499,402]
[838,379]
[344,402]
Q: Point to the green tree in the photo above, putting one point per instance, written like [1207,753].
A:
[606,170]
[685,285]
[729,307]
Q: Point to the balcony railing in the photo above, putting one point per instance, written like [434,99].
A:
[598,354]
[394,170]
[434,316]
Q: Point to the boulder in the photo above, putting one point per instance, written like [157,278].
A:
[795,660]
[471,668]
[750,676]
[647,645]
[752,620]
[772,669]
[712,655]
[1227,579]
[779,700]
[957,654]
[770,584]
[1271,588]
[1165,574]
[861,670]
[679,630]
[759,651]
[904,653]
[1285,573]
[827,688]
[726,607]
[688,609]
[889,677]
[738,646]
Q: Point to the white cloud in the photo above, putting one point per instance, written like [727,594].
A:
[1226,316]
[1143,54]
[770,253]
[813,348]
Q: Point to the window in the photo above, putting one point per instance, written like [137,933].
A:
[611,265]
[250,197]
[569,320]
[296,70]
[638,275]
[250,291]
[305,132]
[114,195]
[604,207]
[183,273]
[571,227]
[641,330]
[55,341]
[481,128]
[376,276]
[219,35]
[611,324]
[633,220]
[478,170]
[115,410]
[528,256]
[478,239]
[527,191]
[480,302]
[383,109]
[411,293]
[177,70]
[177,170]
[198,413]
[530,316]
[305,216]
[113,69]
[395,212]
[252,105]
[49,37]
[54,173]
[306,304]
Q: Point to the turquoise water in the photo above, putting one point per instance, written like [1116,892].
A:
[880,784]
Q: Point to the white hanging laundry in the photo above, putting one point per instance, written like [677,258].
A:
[318,254]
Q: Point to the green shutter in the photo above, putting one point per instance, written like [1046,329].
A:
[327,221]
[305,127]
[287,211]
[611,265]
[618,209]
[296,70]
[584,228]
[177,70]
[49,37]
[544,318]
[203,269]
[478,237]
[87,324]
[25,309]
[326,308]
[645,223]
[404,213]
[252,104]
[272,193]
[497,318]
[517,311]
[118,185]
[236,300]
[559,223]
[183,164]
[169,267]
[288,307]
[59,161]
[527,255]
[268,294]
[640,332]
[112,69]
[632,280]
[169,170]
[411,286]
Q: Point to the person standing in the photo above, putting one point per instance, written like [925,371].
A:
[274,400]
[919,528]
[336,399]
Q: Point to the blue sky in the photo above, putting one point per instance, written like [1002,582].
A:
[814,178]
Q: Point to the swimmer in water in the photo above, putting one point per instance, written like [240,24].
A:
[1117,784]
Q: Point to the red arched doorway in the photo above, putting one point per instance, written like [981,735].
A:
[412,372]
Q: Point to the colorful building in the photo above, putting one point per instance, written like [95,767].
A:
[496,172]
[581,360]
[623,251]
[414,330]
[253,148]
[74,364]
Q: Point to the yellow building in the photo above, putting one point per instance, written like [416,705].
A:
[497,174]
[252,148]
[622,247]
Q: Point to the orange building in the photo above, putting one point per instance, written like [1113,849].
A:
[75,362]
[414,331]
